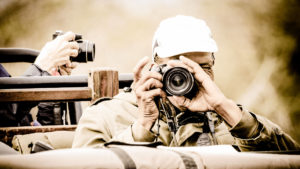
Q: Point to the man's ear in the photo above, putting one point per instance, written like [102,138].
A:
[152,65]
[213,57]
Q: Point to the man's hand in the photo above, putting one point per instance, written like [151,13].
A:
[147,86]
[67,68]
[57,52]
[209,96]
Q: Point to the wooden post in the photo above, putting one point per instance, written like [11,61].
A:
[104,82]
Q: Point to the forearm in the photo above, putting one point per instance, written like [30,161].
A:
[256,133]
[229,111]
[141,134]
[88,137]
[145,123]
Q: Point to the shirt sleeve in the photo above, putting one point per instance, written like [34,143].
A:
[34,70]
[135,133]
[256,133]
[141,134]
[91,130]
[248,126]
[99,124]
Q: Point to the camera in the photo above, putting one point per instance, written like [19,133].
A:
[86,50]
[177,81]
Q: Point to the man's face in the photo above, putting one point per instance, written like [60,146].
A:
[204,59]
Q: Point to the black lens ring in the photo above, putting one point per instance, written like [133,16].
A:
[170,73]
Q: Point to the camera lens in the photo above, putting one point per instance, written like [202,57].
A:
[86,52]
[178,81]
[90,52]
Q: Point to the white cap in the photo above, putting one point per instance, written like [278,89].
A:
[182,34]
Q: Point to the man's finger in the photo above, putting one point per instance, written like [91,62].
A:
[182,101]
[68,36]
[73,45]
[177,63]
[153,93]
[149,75]
[189,62]
[64,71]
[73,52]
[198,72]
[137,71]
[74,65]
[151,84]
[68,70]
[63,61]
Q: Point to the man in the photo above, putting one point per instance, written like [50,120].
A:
[54,56]
[54,60]
[148,114]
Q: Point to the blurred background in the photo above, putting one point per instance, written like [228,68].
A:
[258,40]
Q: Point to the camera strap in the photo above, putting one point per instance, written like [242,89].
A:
[166,108]
[170,113]
[211,126]
[208,128]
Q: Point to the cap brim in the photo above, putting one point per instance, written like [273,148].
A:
[164,53]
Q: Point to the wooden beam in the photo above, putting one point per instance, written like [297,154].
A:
[7,133]
[46,94]
[101,82]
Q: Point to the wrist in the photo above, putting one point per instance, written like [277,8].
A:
[146,123]
[40,71]
[229,111]
[43,67]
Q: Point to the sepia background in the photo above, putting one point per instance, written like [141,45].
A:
[258,40]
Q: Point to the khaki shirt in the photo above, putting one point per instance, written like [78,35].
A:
[115,120]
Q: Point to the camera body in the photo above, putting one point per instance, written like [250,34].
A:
[177,81]
[86,50]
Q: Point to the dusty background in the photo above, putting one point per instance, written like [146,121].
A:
[257,62]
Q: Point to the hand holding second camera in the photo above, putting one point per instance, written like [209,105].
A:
[58,55]
[57,52]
